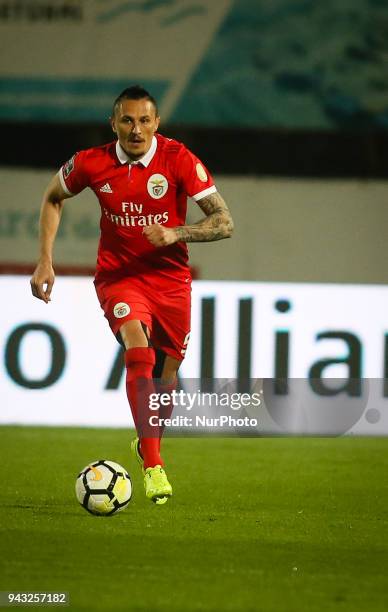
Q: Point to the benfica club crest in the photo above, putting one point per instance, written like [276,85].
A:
[121,310]
[157,186]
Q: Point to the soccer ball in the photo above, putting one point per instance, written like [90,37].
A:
[103,488]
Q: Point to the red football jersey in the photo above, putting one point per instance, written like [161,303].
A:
[133,195]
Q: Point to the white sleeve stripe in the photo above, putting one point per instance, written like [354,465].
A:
[63,184]
[204,193]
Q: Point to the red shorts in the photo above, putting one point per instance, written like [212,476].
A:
[166,312]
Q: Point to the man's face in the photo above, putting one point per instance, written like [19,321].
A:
[135,122]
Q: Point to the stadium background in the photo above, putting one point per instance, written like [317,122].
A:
[287,104]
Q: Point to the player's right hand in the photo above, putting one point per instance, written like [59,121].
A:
[42,282]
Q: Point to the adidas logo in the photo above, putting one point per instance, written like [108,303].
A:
[106,188]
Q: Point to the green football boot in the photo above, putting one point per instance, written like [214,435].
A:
[135,449]
[157,487]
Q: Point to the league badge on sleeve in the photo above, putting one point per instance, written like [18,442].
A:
[157,186]
[68,167]
[201,173]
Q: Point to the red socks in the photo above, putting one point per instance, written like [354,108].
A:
[165,412]
[139,362]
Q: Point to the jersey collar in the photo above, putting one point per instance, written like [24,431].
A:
[145,160]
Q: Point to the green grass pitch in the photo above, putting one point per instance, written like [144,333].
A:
[255,524]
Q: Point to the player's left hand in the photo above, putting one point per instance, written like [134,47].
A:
[160,236]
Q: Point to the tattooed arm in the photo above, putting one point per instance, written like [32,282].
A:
[217,224]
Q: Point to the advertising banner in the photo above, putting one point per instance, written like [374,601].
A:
[247,64]
[304,353]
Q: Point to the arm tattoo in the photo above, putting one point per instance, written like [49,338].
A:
[217,224]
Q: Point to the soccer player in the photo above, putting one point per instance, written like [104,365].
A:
[142,181]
